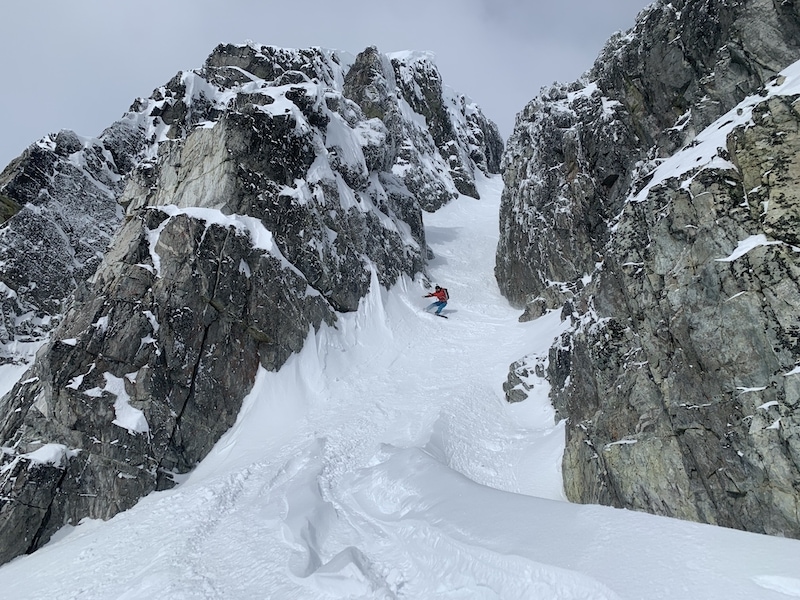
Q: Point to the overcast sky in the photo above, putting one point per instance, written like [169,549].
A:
[79,64]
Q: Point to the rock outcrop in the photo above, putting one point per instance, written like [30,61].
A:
[275,188]
[655,204]
[578,150]
[59,212]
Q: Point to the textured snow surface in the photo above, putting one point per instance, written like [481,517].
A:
[382,462]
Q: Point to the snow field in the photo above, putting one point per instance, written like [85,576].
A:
[383,462]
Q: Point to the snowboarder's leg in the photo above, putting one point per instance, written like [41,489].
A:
[441,305]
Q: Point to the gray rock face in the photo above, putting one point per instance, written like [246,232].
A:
[268,198]
[671,246]
[577,150]
[62,211]
[435,162]
[682,398]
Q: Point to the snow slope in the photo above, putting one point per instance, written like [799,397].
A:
[383,462]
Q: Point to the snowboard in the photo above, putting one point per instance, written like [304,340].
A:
[434,314]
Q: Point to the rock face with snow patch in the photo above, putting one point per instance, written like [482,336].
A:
[577,150]
[278,191]
[59,213]
[670,240]
[436,161]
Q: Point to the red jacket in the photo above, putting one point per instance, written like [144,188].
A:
[440,295]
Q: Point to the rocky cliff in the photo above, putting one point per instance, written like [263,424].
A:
[59,214]
[655,203]
[579,150]
[263,194]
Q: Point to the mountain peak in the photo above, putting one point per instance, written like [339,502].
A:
[264,194]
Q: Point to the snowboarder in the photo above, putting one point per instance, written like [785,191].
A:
[441,296]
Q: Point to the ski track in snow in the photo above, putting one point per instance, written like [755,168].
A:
[383,462]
